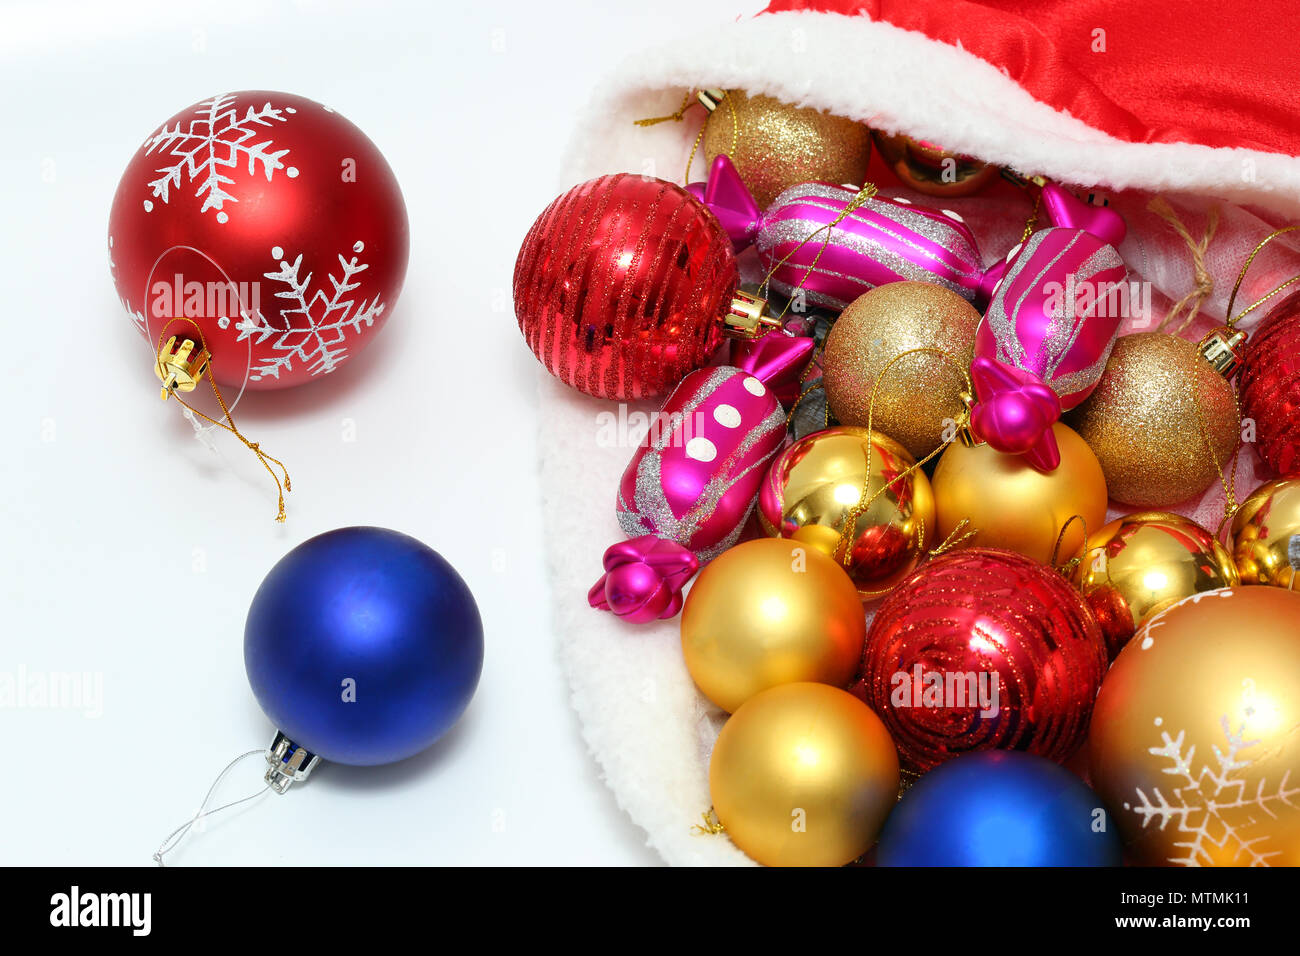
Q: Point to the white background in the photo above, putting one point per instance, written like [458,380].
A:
[131,551]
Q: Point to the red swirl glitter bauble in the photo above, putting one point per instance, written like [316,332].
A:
[271,223]
[621,285]
[1270,387]
[983,649]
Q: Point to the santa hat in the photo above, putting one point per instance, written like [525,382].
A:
[1191,101]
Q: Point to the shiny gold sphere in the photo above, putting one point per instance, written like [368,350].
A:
[1144,421]
[931,169]
[1266,535]
[776,146]
[770,612]
[919,399]
[1140,564]
[803,775]
[1010,504]
[1194,744]
[823,481]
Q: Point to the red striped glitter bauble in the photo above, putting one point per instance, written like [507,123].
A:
[1270,387]
[983,649]
[621,286]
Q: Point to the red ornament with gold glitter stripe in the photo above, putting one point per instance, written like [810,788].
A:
[625,284]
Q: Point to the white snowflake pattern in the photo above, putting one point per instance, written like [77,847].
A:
[1212,806]
[314,329]
[212,144]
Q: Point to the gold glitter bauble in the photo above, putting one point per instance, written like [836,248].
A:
[931,169]
[919,398]
[1266,535]
[1010,504]
[803,775]
[775,146]
[816,485]
[1145,426]
[770,612]
[1194,744]
[1140,564]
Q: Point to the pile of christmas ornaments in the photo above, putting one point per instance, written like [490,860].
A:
[933,646]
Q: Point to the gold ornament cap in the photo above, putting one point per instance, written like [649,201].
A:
[746,316]
[1222,349]
[710,99]
[179,368]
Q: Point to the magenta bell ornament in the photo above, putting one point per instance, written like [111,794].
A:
[1049,328]
[691,484]
[881,240]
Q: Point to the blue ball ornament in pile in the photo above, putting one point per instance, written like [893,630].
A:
[999,808]
[363,646]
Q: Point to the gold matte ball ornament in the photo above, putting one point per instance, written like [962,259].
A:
[775,146]
[1010,504]
[1266,535]
[768,612]
[931,169]
[1150,417]
[918,399]
[1194,744]
[803,775]
[855,497]
[1142,563]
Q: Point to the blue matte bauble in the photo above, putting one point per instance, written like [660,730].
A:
[366,613]
[999,808]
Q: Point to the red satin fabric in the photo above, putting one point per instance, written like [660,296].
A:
[1214,72]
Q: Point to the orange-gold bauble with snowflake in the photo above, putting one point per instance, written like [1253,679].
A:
[270,222]
[1195,738]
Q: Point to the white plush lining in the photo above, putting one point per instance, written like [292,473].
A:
[641,716]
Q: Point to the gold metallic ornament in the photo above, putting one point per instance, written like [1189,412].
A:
[1140,564]
[775,145]
[825,481]
[770,612]
[1010,504]
[1194,744]
[931,169]
[1150,417]
[1266,535]
[918,400]
[803,775]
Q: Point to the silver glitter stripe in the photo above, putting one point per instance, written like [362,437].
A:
[812,296]
[1003,325]
[871,247]
[936,229]
[1101,258]
[795,231]
[939,230]
[1077,381]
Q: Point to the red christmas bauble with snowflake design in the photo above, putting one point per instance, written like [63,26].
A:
[272,223]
